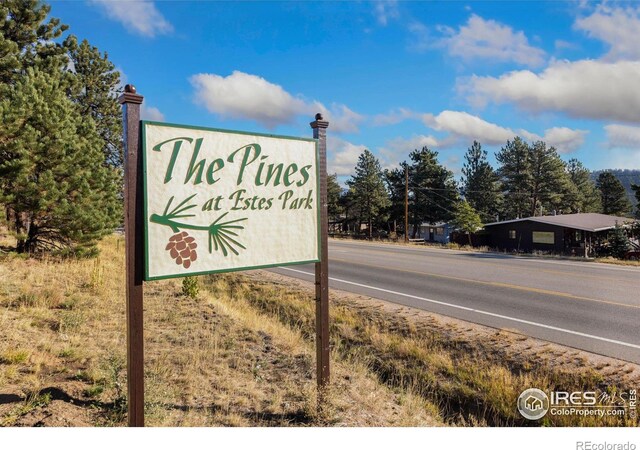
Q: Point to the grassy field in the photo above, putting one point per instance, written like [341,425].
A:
[242,354]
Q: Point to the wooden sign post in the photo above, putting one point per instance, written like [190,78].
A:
[134,245]
[319,127]
[203,200]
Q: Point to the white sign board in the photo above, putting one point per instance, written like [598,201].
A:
[219,200]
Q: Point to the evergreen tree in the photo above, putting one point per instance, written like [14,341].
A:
[396,186]
[550,185]
[480,183]
[588,196]
[94,90]
[51,167]
[636,190]
[26,40]
[368,189]
[612,194]
[434,190]
[515,177]
[466,219]
[55,182]
[334,192]
[619,242]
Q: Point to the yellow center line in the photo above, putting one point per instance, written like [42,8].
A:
[526,269]
[492,283]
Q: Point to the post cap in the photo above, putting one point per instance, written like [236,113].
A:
[130,95]
[319,122]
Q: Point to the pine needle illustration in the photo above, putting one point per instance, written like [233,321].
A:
[222,236]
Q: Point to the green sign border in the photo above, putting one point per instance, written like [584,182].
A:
[143,149]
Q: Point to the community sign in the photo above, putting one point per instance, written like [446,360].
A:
[220,200]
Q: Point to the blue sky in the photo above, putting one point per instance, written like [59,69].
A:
[390,76]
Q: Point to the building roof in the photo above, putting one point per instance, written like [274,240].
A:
[437,224]
[582,221]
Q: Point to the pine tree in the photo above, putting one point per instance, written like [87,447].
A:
[480,183]
[515,177]
[368,189]
[51,167]
[636,190]
[95,91]
[467,219]
[550,185]
[588,196]
[395,182]
[612,194]
[55,182]
[619,242]
[26,40]
[334,191]
[434,190]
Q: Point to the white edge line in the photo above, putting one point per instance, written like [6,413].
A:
[479,311]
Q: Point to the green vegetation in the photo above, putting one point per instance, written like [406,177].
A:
[368,190]
[613,195]
[60,173]
[480,184]
[466,219]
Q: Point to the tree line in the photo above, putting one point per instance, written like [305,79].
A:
[531,179]
[61,135]
[61,156]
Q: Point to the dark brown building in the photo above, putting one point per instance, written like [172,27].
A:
[569,234]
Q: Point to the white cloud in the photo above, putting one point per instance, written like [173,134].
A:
[341,118]
[384,10]
[617,26]
[395,116]
[342,155]
[407,145]
[420,37]
[245,96]
[491,40]
[623,136]
[587,89]
[139,17]
[565,140]
[151,113]
[465,127]
[561,44]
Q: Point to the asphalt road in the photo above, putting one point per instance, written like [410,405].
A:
[589,306]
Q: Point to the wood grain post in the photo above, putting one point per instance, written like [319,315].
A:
[322,268]
[134,246]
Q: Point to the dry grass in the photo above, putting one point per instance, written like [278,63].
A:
[473,378]
[242,354]
[210,361]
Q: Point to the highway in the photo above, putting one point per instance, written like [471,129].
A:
[588,306]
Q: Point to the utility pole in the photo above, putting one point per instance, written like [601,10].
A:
[406,204]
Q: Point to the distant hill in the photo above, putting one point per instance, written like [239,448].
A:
[626,176]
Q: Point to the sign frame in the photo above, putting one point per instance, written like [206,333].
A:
[317,187]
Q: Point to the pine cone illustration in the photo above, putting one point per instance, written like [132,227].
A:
[182,248]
